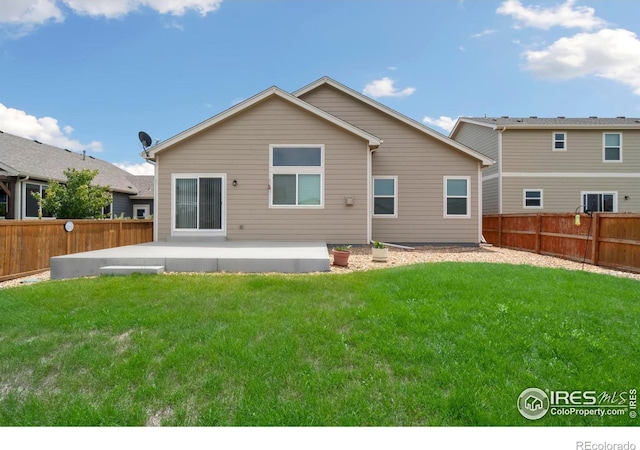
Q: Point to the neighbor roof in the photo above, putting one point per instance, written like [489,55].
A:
[393,113]
[273,91]
[560,122]
[144,184]
[27,158]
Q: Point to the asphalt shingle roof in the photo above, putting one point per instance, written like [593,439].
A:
[559,121]
[25,157]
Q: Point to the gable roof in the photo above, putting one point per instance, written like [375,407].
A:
[271,92]
[395,114]
[559,123]
[20,157]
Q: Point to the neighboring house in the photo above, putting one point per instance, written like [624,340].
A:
[556,164]
[26,166]
[324,163]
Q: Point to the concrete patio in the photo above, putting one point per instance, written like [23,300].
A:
[224,256]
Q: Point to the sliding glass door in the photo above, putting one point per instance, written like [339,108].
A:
[198,203]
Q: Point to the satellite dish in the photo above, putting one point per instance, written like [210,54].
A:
[145,139]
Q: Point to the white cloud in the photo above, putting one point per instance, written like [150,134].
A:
[564,15]
[385,88]
[22,16]
[43,129]
[118,8]
[28,12]
[483,33]
[442,122]
[610,54]
[136,169]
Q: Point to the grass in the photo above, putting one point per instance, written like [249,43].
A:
[431,344]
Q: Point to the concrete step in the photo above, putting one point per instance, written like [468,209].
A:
[127,270]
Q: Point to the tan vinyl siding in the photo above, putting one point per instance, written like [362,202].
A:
[239,148]
[531,151]
[420,162]
[563,195]
[490,200]
[481,139]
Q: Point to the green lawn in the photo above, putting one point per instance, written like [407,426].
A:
[431,344]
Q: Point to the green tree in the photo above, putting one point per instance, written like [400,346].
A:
[77,199]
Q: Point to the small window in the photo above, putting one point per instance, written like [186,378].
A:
[533,198]
[296,173]
[456,198]
[559,141]
[600,201]
[612,147]
[385,196]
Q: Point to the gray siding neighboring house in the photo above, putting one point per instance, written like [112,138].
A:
[26,166]
[324,163]
[556,164]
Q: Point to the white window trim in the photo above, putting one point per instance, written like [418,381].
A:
[395,196]
[190,232]
[23,207]
[611,161]
[468,197]
[554,140]
[296,170]
[524,198]
[614,193]
[110,216]
[146,207]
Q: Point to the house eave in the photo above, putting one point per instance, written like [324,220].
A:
[150,154]
[401,117]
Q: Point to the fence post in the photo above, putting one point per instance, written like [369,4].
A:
[538,231]
[595,239]
[120,234]
[499,230]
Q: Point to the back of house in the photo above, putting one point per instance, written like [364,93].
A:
[324,163]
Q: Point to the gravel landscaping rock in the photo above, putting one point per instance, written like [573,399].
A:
[361,260]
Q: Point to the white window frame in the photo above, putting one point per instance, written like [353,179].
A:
[604,146]
[296,170]
[25,196]
[196,232]
[445,197]
[614,193]
[145,207]
[554,140]
[394,196]
[110,216]
[524,198]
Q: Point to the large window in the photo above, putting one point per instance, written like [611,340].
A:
[296,176]
[559,141]
[32,207]
[600,201]
[612,147]
[198,202]
[532,198]
[385,196]
[456,197]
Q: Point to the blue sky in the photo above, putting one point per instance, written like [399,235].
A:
[90,74]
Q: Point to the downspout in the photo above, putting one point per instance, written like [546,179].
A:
[369,182]
[479,194]
[18,200]
[155,201]
[500,169]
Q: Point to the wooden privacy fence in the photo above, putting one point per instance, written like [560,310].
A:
[27,245]
[604,239]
